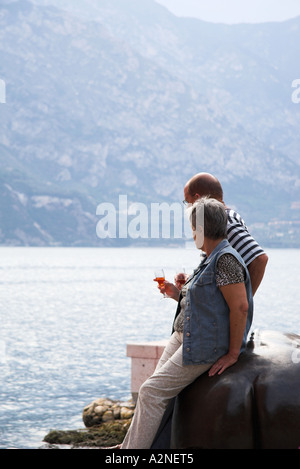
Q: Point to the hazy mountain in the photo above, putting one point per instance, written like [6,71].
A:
[121,97]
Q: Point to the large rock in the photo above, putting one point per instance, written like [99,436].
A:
[253,405]
[106,410]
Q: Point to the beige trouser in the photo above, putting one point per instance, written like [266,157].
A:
[169,378]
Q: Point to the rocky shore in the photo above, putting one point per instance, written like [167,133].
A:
[106,423]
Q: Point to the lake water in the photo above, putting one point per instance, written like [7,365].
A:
[68,313]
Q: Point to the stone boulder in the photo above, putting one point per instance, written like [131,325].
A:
[106,421]
[255,404]
[105,410]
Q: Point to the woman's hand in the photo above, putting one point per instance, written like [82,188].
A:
[222,364]
[180,280]
[169,289]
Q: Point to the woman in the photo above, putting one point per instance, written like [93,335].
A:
[213,318]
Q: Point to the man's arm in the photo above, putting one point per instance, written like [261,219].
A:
[237,229]
[257,270]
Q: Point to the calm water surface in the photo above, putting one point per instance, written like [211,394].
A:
[68,313]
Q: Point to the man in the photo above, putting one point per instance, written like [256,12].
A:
[205,184]
[201,185]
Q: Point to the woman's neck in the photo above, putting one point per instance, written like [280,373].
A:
[210,244]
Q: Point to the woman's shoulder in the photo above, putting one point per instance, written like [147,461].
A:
[229,258]
[229,270]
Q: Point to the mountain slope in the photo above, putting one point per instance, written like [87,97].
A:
[134,101]
[247,69]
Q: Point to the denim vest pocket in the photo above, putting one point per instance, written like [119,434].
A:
[205,279]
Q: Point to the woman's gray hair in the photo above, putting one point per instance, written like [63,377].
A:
[211,215]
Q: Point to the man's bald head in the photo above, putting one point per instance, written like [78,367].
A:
[203,185]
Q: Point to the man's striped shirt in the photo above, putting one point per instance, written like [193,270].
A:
[240,238]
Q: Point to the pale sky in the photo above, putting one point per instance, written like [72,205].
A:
[235,11]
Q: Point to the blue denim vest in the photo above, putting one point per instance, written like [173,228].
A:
[206,321]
